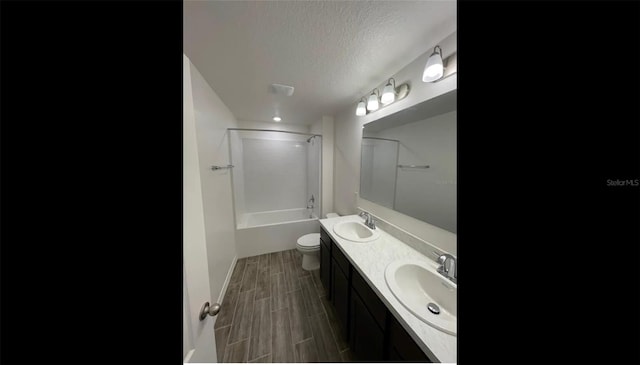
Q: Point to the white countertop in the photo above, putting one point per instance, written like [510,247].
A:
[371,260]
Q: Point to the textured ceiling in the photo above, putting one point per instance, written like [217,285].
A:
[332,52]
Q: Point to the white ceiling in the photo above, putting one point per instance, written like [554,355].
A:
[332,52]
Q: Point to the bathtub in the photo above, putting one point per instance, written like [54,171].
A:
[263,232]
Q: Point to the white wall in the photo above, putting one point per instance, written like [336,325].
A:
[314,150]
[325,127]
[348,133]
[429,195]
[212,118]
[237,175]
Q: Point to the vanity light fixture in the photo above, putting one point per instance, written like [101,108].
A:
[389,92]
[372,103]
[434,69]
[361,109]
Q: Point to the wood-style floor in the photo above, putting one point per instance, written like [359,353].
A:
[274,311]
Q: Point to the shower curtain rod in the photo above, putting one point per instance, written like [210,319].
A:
[272,130]
[383,139]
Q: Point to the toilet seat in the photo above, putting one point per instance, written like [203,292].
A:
[309,242]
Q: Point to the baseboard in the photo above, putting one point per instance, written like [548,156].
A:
[223,291]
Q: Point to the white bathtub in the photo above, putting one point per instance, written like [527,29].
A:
[259,219]
[278,230]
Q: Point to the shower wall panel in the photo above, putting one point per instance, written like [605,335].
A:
[275,174]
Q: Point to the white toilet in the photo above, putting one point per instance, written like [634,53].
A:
[309,246]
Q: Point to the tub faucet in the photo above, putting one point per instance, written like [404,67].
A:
[448,267]
[310,202]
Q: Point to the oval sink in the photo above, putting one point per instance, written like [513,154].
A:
[355,231]
[416,284]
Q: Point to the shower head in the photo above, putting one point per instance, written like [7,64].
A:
[310,138]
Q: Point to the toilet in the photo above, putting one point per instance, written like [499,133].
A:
[309,246]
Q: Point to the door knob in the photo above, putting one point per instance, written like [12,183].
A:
[211,310]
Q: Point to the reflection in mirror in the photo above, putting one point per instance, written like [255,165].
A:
[408,161]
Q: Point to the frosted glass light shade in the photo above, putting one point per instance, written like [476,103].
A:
[372,103]
[360,110]
[434,69]
[388,94]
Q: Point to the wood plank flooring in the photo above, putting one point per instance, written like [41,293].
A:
[274,311]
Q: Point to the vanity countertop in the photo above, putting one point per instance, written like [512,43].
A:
[371,260]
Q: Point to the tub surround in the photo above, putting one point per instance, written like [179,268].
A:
[370,260]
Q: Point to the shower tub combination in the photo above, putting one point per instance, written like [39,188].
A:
[276,188]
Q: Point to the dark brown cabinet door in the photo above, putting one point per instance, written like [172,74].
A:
[340,295]
[401,346]
[325,268]
[367,338]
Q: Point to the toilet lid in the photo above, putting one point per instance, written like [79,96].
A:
[309,240]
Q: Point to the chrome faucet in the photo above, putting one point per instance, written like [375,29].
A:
[448,267]
[310,202]
[369,221]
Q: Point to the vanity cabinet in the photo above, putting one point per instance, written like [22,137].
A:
[367,322]
[340,293]
[400,345]
[325,262]
[372,331]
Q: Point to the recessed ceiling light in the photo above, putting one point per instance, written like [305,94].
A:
[277,119]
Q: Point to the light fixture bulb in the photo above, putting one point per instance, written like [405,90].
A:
[277,119]
[388,94]
[372,103]
[361,110]
[434,69]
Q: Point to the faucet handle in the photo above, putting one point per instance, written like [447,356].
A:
[444,258]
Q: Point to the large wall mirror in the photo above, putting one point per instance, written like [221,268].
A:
[408,161]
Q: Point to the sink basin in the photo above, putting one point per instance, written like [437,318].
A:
[356,232]
[416,284]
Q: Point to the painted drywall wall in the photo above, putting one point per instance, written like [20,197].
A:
[427,194]
[237,175]
[348,133]
[212,118]
[314,166]
[325,127]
